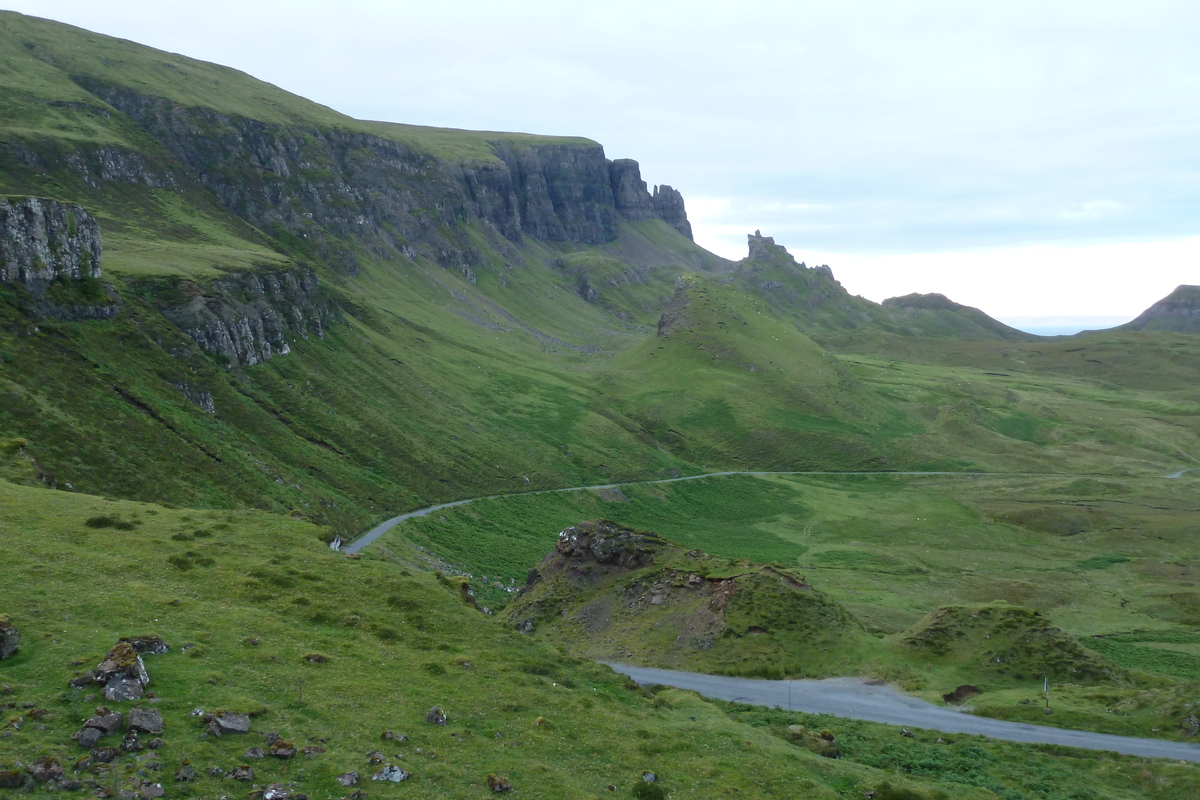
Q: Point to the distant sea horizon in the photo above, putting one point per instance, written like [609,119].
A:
[1062,326]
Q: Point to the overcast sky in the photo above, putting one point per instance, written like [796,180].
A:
[1035,159]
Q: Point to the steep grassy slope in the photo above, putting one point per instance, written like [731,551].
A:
[725,381]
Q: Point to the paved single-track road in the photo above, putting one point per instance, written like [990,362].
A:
[855,698]
[384,527]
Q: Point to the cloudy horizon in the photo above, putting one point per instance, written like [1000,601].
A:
[1017,157]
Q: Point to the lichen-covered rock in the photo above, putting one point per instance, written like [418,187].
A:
[10,638]
[281,749]
[243,773]
[41,240]
[348,779]
[185,773]
[12,778]
[606,542]
[499,784]
[122,672]
[391,773]
[152,644]
[46,769]
[107,720]
[436,716]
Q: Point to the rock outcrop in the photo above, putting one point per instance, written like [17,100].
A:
[248,318]
[41,240]
[326,192]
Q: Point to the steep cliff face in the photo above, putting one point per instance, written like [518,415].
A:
[668,206]
[248,318]
[41,240]
[329,191]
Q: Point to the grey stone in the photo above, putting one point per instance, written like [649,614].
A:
[10,637]
[145,720]
[89,737]
[132,742]
[107,721]
[254,752]
[391,773]
[436,716]
[105,755]
[185,773]
[348,779]
[230,723]
[243,773]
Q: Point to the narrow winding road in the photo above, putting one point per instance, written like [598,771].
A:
[853,698]
[384,527]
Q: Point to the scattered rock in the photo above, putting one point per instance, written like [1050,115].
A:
[89,737]
[1190,724]
[6,688]
[498,784]
[312,751]
[104,755]
[106,720]
[254,752]
[132,742]
[281,749]
[215,771]
[149,791]
[243,773]
[145,720]
[149,645]
[155,743]
[316,658]
[46,769]
[525,626]
[12,779]
[276,791]
[252,641]
[436,716]
[227,722]
[374,757]
[904,731]
[102,792]
[648,776]
[348,779]
[391,773]
[10,638]
[270,737]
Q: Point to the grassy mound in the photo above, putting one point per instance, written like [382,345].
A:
[1005,642]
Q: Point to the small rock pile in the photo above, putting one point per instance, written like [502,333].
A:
[122,672]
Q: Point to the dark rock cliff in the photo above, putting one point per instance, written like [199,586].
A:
[327,192]
[41,240]
[251,317]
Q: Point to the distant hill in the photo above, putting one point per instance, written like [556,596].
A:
[1179,311]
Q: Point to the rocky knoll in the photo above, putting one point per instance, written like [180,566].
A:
[1178,311]
[41,240]
[608,591]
